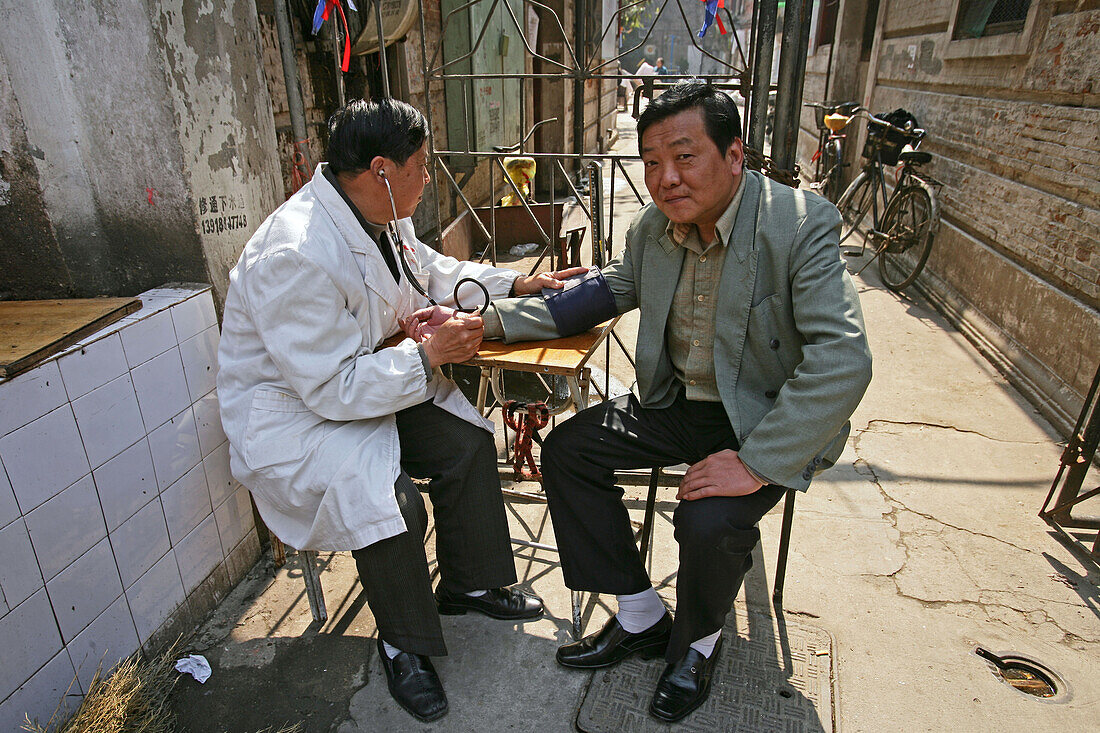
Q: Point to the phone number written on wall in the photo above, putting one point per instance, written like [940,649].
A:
[218,214]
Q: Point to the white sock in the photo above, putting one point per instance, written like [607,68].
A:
[391,651]
[476,593]
[705,646]
[639,611]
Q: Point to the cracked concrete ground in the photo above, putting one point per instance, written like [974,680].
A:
[922,544]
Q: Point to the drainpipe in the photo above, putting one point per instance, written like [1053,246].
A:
[290,77]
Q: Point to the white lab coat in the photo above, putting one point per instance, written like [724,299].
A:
[307,397]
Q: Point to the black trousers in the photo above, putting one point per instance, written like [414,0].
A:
[716,535]
[472,545]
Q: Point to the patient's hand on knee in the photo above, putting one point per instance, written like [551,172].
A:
[719,474]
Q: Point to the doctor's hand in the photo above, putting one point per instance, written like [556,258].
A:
[719,474]
[423,323]
[534,283]
[456,340]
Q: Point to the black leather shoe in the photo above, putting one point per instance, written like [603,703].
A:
[414,684]
[506,603]
[684,685]
[612,644]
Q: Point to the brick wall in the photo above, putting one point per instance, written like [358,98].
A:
[1014,129]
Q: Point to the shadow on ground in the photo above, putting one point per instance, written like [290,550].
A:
[275,681]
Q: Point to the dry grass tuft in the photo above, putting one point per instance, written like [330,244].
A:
[132,699]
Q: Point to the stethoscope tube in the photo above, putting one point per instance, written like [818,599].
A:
[394,231]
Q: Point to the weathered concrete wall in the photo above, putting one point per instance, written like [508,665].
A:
[135,116]
[95,110]
[1014,125]
[222,108]
[30,257]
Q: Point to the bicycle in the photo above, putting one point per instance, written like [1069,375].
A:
[902,237]
[828,159]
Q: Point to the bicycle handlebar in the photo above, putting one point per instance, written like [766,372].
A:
[845,108]
[916,132]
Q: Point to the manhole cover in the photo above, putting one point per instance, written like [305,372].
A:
[765,680]
[1023,674]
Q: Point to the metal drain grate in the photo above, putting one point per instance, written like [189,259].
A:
[1021,673]
[753,689]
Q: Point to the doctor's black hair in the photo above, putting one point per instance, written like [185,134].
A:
[361,130]
[720,115]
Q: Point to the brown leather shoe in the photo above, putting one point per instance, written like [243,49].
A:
[612,644]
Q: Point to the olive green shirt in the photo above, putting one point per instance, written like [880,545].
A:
[691,319]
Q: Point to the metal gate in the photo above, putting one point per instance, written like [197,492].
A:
[578,176]
[510,95]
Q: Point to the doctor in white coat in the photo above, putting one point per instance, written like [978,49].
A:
[326,427]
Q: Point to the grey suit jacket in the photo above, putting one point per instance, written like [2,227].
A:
[790,354]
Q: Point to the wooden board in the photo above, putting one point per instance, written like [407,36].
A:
[556,356]
[32,330]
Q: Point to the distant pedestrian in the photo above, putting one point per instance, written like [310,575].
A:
[646,70]
[662,70]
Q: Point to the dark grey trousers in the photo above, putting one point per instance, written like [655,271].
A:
[472,545]
[716,535]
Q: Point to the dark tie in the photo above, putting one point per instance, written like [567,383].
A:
[386,245]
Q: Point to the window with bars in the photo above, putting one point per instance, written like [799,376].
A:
[981,18]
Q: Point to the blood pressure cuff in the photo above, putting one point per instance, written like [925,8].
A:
[583,302]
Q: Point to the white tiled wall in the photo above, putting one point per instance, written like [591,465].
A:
[116,502]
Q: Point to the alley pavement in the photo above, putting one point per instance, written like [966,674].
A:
[920,546]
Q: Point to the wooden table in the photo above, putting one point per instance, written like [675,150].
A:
[567,357]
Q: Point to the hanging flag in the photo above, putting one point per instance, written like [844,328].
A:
[320,15]
[710,15]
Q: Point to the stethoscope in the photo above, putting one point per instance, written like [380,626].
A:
[395,232]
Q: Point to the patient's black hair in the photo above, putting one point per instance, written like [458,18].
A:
[720,115]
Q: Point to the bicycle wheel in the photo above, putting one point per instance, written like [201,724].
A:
[855,203]
[830,163]
[907,230]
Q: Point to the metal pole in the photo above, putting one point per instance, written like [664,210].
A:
[749,63]
[827,95]
[792,74]
[762,72]
[580,10]
[333,32]
[784,542]
[382,48]
[290,75]
[431,124]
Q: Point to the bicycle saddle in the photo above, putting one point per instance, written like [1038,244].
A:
[915,157]
[837,122]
